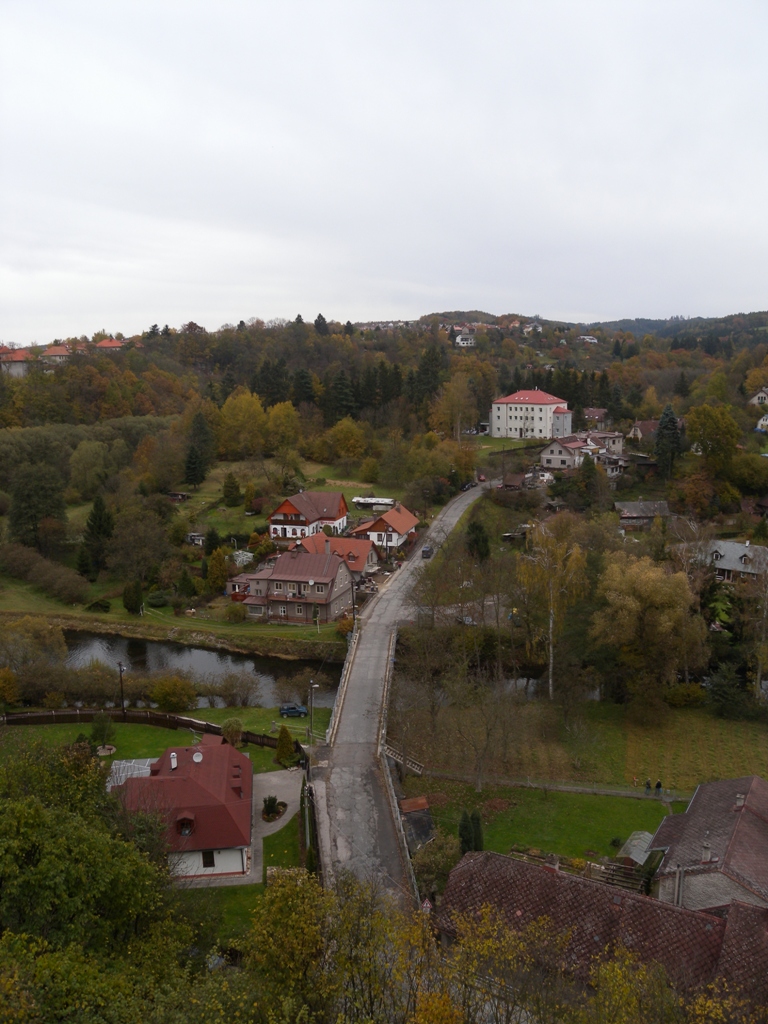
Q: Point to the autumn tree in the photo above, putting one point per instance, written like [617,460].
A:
[217,572]
[455,407]
[138,543]
[242,425]
[646,620]
[553,569]
[715,434]
[36,495]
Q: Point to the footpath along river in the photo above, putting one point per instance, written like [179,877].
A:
[201,664]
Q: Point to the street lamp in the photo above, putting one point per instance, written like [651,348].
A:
[121,667]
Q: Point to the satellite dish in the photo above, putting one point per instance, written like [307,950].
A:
[311,583]
[197,757]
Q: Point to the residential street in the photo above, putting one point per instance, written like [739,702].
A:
[357,832]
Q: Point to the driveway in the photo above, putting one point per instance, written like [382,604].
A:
[285,785]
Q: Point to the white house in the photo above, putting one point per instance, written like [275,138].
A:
[391,530]
[308,512]
[761,398]
[530,414]
[465,340]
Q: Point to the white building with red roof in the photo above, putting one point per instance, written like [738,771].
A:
[530,414]
[391,530]
[306,513]
[204,793]
[15,361]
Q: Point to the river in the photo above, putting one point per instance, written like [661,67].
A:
[274,674]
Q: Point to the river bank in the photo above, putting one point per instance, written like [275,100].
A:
[236,639]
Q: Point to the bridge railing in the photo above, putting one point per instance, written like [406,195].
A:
[333,725]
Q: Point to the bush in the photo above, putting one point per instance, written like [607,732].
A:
[9,687]
[345,626]
[369,471]
[231,491]
[157,599]
[284,751]
[235,612]
[232,731]
[99,605]
[102,730]
[132,597]
[56,580]
[728,696]
[686,695]
[434,862]
[174,694]
[270,806]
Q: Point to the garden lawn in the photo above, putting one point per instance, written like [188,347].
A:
[260,720]
[235,904]
[281,849]
[569,824]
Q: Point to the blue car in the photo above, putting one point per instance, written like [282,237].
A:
[293,711]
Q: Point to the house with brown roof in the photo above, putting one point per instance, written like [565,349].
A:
[360,556]
[597,417]
[205,795]
[306,513]
[391,530]
[639,515]
[294,586]
[16,361]
[716,852]
[693,947]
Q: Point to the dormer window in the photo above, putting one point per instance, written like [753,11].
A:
[185,826]
[717,556]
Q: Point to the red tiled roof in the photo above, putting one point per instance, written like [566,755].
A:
[314,505]
[399,518]
[109,343]
[560,409]
[596,916]
[214,792]
[16,355]
[534,397]
[737,836]
[354,552]
[743,963]
[56,350]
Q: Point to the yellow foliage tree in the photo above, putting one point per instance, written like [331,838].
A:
[283,427]
[242,426]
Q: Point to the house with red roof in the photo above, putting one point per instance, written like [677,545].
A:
[204,793]
[15,361]
[56,354]
[360,556]
[109,345]
[296,586]
[694,948]
[306,513]
[530,414]
[391,530]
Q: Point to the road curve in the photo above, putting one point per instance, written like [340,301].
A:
[357,832]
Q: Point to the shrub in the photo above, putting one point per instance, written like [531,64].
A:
[56,580]
[284,751]
[434,862]
[9,687]
[158,599]
[231,491]
[345,626]
[270,806]
[310,861]
[102,730]
[99,605]
[477,830]
[235,612]
[232,731]
[174,694]
[466,833]
[686,695]
[369,471]
[53,700]
[132,597]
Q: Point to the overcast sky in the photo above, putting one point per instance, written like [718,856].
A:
[165,161]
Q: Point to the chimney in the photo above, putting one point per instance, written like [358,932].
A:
[740,798]
[327,546]
[174,761]
[706,854]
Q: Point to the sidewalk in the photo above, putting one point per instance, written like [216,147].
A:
[285,786]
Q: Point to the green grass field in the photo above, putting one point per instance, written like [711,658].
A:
[569,824]
[281,849]
[235,904]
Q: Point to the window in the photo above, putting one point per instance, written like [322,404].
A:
[278,586]
[320,588]
[299,609]
[548,462]
[283,610]
[185,827]
[291,588]
[562,462]
[256,610]
[209,861]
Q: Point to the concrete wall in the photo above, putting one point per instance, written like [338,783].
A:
[226,862]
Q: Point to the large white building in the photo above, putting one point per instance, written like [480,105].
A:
[530,414]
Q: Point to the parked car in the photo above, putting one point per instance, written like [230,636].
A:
[426,551]
[293,710]
[481,478]
[465,620]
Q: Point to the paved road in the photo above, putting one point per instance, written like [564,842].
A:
[355,822]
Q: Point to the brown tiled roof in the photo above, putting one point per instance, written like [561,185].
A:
[300,566]
[743,962]
[314,505]
[354,552]
[399,518]
[737,836]
[596,916]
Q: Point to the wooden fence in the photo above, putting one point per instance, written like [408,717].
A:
[72,716]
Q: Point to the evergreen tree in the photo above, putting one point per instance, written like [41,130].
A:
[477,830]
[83,561]
[340,399]
[667,447]
[217,572]
[682,387]
[466,833]
[588,477]
[303,391]
[321,325]
[349,328]
[201,437]
[98,530]
[185,586]
[212,540]
[204,569]
[760,533]
[194,467]
[132,597]
[478,543]
[285,750]
[36,494]
[231,491]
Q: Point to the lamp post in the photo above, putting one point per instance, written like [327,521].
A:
[121,668]
[312,688]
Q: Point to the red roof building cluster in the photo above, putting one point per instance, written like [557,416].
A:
[531,398]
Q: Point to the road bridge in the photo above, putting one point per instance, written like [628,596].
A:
[355,825]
